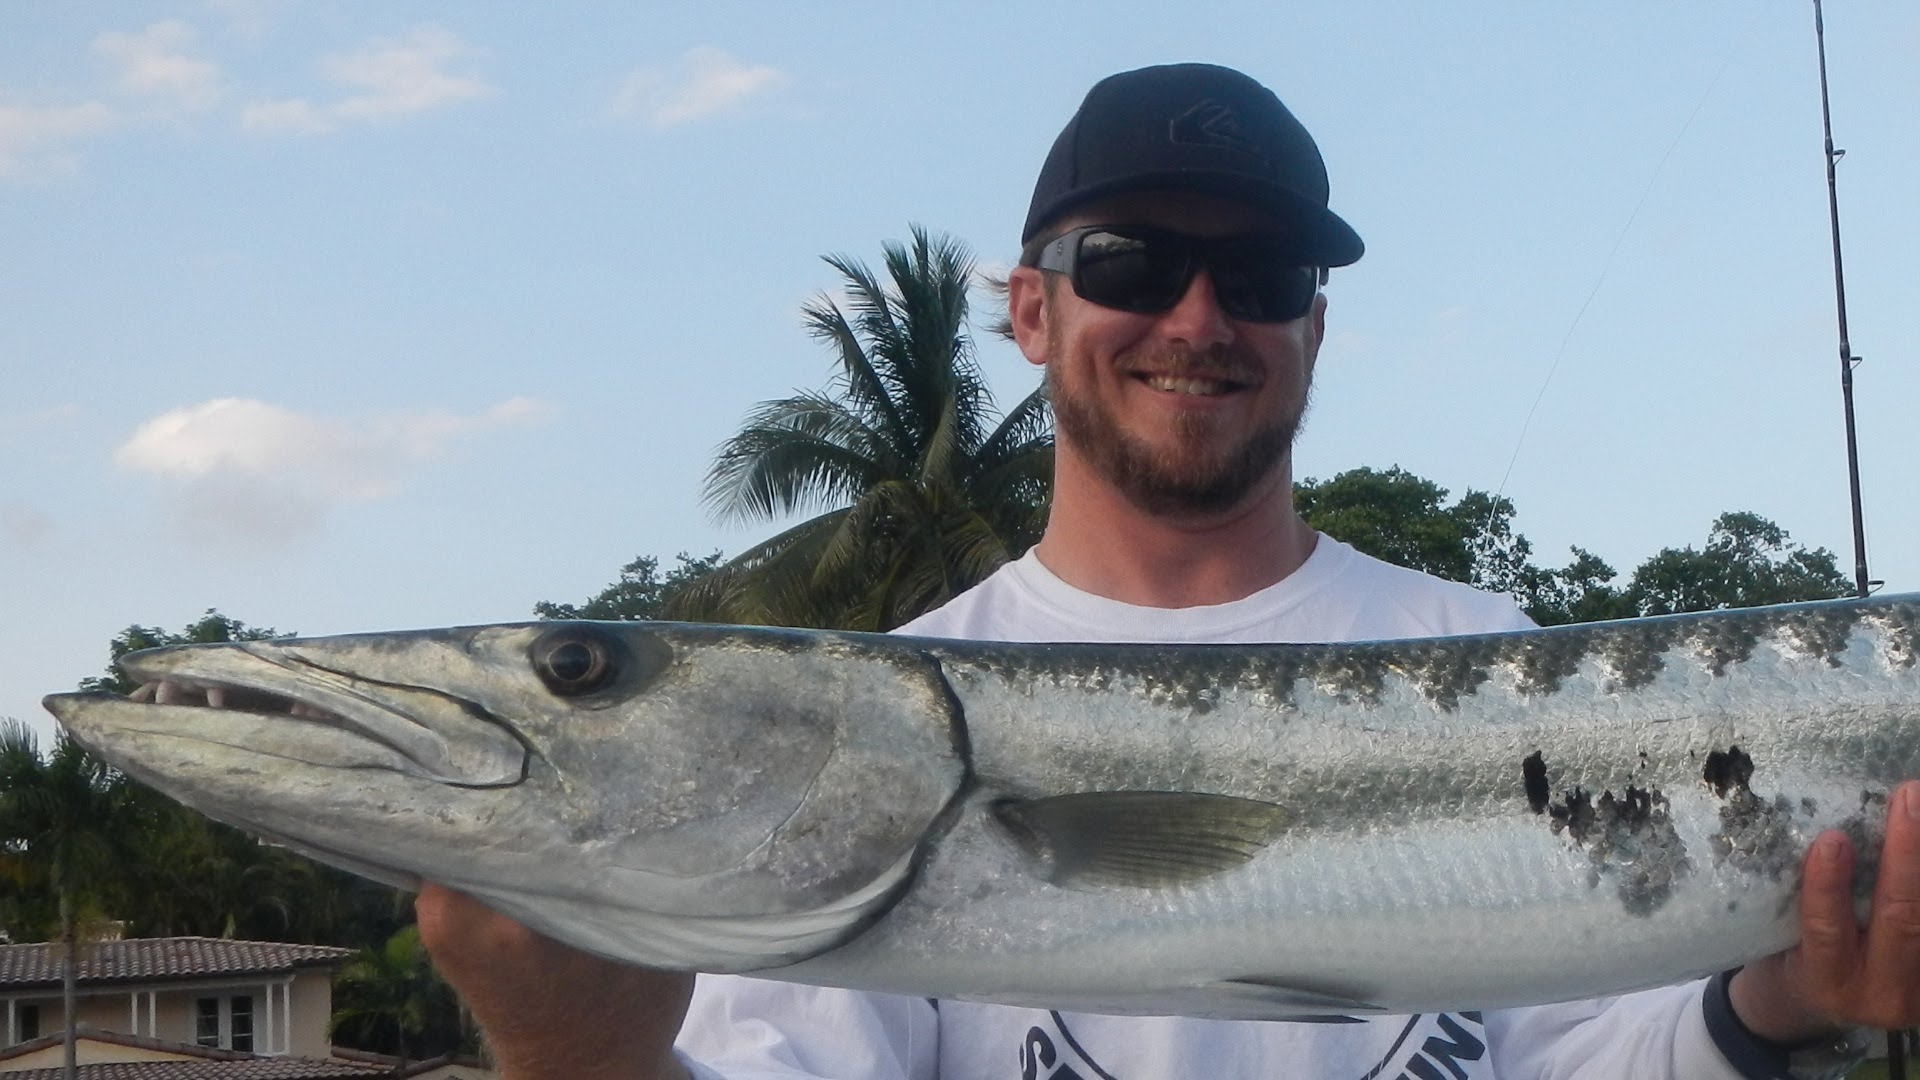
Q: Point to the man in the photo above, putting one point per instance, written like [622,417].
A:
[1169,285]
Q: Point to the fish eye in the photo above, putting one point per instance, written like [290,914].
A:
[575,662]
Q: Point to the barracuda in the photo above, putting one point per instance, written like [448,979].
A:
[1231,831]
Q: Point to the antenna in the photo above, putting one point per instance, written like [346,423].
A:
[1861,583]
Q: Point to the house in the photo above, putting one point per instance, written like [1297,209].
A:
[188,1008]
[259,997]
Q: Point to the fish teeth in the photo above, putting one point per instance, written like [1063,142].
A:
[217,696]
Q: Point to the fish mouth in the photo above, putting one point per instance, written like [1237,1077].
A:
[265,699]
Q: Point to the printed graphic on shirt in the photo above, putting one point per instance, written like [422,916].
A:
[1441,1046]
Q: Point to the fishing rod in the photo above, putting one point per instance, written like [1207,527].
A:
[1848,361]
[1898,1042]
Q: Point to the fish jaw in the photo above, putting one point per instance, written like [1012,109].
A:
[288,706]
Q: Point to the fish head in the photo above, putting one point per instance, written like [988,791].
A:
[705,798]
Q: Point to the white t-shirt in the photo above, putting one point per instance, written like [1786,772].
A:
[755,1029]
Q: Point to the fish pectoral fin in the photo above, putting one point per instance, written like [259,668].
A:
[1144,839]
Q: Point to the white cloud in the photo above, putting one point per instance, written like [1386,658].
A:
[34,138]
[269,473]
[156,63]
[704,81]
[386,80]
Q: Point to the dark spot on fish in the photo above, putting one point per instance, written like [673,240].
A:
[1533,777]
[1733,906]
[1728,771]
[1808,806]
[1900,625]
[1351,675]
[1629,838]
[1633,653]
[1756,835]
[1448,670]
[1573,814]
[1546,661]
[1723,642]
[1822,630]
[1864,831]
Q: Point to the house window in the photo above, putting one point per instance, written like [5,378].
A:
[224,1022]
[27,1017]
[206,1021]
[240,1023]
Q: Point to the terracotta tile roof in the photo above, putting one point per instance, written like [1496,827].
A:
[250,1069]
[151,959]
[204,1062]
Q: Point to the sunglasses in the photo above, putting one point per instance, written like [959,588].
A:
[1146,270]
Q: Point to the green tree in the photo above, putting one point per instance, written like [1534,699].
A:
[1747,561]
[210,629]
[392,1001]
[63,827]
[641,593]
[1405,519]
[921,494]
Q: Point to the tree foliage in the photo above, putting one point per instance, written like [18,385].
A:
[642,592]
[389,999]
[1406,519]
[920,494]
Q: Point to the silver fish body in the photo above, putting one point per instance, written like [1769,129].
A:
[1231,831]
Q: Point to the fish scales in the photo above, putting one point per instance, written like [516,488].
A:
[1242,831]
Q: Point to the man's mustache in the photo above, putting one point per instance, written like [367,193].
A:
[1224,365]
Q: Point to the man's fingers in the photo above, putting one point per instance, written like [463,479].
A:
[1830,950]
[1893,932]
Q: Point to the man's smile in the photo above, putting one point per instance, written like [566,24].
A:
[1191,385]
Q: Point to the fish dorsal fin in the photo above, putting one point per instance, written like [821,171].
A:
[1145,839]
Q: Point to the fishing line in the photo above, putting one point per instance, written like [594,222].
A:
[1605,267]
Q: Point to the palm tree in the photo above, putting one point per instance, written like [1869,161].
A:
[392,988]
[922,495]
[63,823]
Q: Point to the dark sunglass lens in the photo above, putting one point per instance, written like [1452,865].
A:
[1130,273]
[1259,285]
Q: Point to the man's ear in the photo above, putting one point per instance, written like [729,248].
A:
[1317,322]
[1027,312]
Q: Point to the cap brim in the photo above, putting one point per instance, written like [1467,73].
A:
[1326,239]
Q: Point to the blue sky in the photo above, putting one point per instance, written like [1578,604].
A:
[343,317]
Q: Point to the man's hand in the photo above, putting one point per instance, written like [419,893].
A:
[1841,975]
[550,1010]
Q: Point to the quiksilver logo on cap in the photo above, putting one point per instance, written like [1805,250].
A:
[1210,123]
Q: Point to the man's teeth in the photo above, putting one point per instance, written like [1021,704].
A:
[1182,385]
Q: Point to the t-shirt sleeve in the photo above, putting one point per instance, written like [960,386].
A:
[740,1028]
[1652,1035]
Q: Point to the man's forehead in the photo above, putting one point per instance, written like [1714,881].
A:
[1190,212]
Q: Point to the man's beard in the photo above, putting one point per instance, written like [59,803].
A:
[1186,479]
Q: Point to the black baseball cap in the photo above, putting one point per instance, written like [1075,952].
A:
[1193,127]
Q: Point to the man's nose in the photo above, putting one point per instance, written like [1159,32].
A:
[1197,319]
